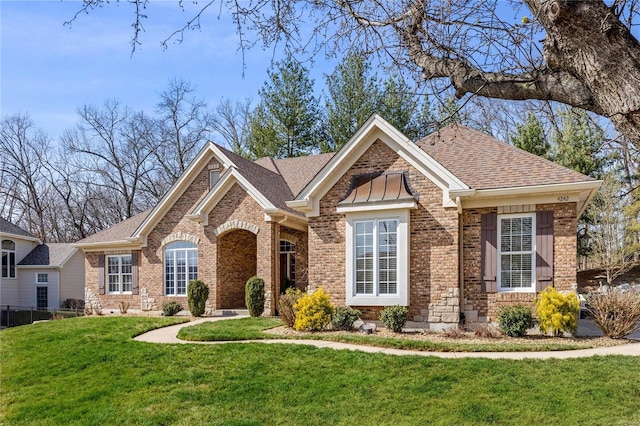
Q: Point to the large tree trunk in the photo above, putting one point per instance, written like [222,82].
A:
[592,61]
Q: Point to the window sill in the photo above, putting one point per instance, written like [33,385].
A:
[119,293]
[367,300]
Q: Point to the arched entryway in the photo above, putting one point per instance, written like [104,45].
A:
[236,263]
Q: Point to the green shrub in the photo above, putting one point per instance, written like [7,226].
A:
[557,312]
[313,311]
[286,303]
[616,313]
[197,294]
[72,304]
[169,309]
[344,317]
[394,317]
[514,321]
[254,296]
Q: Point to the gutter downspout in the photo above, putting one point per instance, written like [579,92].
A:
[460,259]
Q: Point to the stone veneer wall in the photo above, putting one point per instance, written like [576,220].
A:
[433,242]
[480,306]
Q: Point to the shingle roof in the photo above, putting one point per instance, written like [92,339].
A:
[298,171]
[483,162]
[119,231]
[9,228]
[267,182]
[50,254]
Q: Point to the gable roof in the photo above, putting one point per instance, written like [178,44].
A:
[9,228]
[475,157]
[374,129]
[50,254]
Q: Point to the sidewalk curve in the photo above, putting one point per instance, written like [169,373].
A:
[169,335]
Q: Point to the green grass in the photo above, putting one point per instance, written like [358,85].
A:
[251,329]
[88,371]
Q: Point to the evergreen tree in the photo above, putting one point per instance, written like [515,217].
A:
[287,121]
[353,97]
[397,104]
[530,137]
[577,143]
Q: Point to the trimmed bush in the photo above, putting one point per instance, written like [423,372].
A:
[344,317]
[557,312]
[286,303]
[313,311]
[616,313]
[72,304]
[169,309]
[394,317]
[197,294]
[254,296]
[514,321]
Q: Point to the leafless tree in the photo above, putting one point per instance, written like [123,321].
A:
[230,121]
[577,52]
[110,150]
[24,188]
[183,125]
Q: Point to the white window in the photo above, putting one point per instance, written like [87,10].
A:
[378,258]
[180,267]
[516,252]
[42,278]
[8,259]
[119,274]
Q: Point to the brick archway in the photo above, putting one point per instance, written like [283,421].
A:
[236,263]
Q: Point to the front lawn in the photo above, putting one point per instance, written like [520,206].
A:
[88,371]
[252,329]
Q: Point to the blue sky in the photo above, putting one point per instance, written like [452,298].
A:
[48,70]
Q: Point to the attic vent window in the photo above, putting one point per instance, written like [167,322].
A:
[214,176]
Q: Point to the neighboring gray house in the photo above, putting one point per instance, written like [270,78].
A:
[38,275]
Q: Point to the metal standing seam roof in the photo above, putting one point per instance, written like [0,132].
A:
[379,188]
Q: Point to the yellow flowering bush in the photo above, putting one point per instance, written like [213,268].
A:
[313,311]
[557,312]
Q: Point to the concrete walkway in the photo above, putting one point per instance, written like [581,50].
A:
[168,335]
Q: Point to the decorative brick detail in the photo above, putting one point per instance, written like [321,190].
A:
[236,224]
[179,236]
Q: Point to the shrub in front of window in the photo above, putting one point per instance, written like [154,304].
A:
[313,311]
[286,303]
[254,296]
[557,312]
[72,304]
[344,317]
[197,293]
[514,321]
[616,313]
[170,309]
[394,317]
